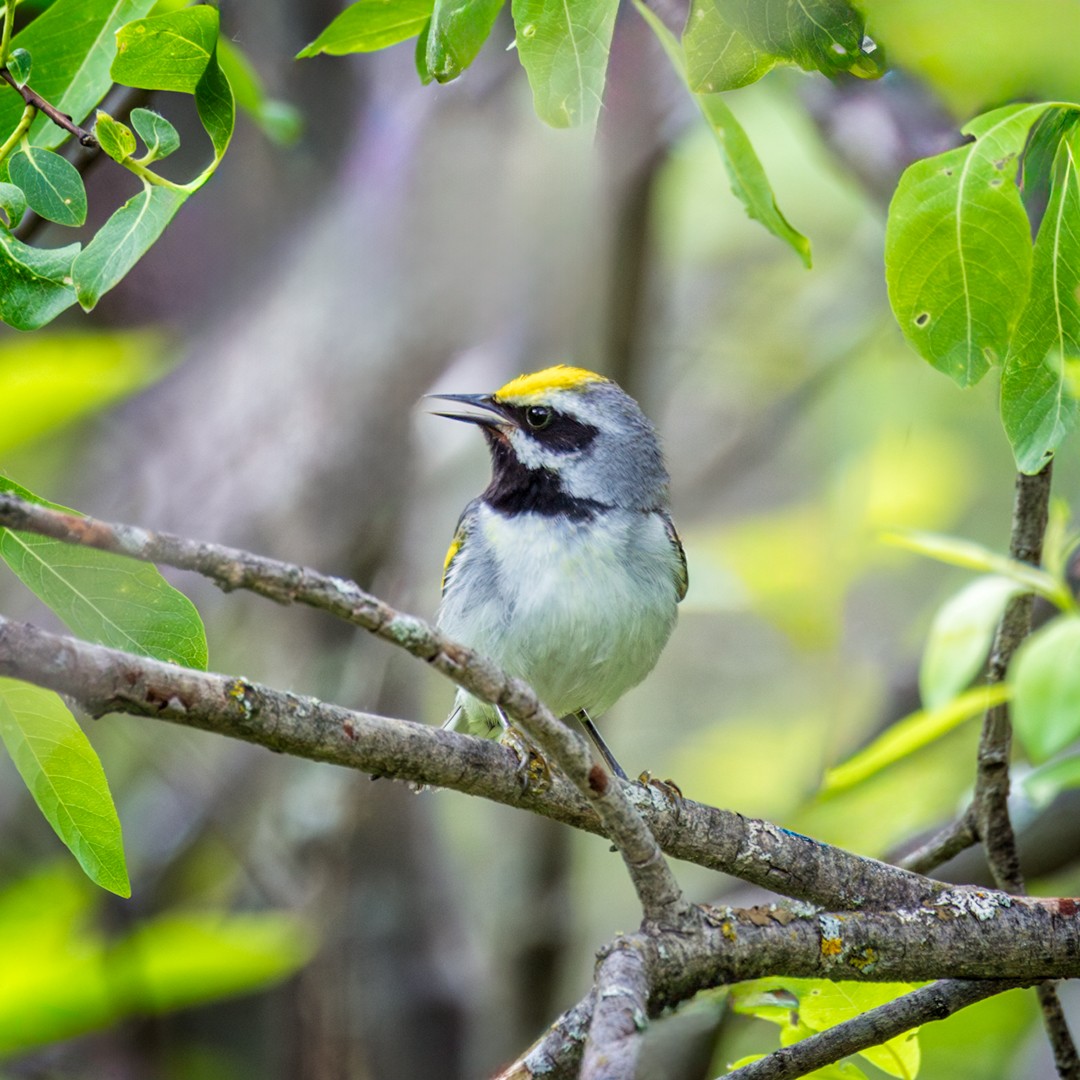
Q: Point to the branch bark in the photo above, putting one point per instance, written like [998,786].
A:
[104,680]
[928,1003]
[32,97]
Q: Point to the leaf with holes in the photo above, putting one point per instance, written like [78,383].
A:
[52,185]
[104,597]
[958,247]
[1037,408]
[718,57]
[817,35]
[65,777]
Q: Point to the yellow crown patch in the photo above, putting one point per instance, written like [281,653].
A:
[540,384]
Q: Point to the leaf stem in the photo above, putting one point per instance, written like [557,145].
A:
[5,34]
[21,129]
[150,177]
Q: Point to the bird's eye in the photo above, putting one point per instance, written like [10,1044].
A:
[538,416]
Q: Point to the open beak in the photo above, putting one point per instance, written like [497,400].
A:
[478,401]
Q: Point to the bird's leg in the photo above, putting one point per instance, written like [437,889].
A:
[532,771]
[590,729]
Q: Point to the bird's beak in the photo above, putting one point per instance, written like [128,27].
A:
[478,401]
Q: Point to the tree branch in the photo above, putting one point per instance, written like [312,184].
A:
[756,851]
[620,1013]
[661,898]
[735,944]
[928,1003]
[106,680]
[32,97]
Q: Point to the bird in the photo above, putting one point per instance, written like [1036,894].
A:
[566,570]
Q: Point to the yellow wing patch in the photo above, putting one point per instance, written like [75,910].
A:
[451,554]
[539,384]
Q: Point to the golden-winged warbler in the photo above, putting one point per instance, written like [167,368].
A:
[566,570]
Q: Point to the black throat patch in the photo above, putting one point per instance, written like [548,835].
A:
[515,489]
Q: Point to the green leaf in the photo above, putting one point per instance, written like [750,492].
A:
[458,30]
[12,203]
[910,734]
[63,978]
[1045,677]
[420,55]
[177,51]
[718,57]
[72,43]
[180,960]
[35,283]
[960,638]
[749,183]
[1044,784]
[116,139]
[65,777]
[158,135]
[105,598]
[1036,407]
[167,52]
[958,247]
[52,185]
[279,120]
[217,110]
[49,380]
[563,46]
[370,25]
[818,35]
[18,66]
[972,556]
[824,1004]
[122,241]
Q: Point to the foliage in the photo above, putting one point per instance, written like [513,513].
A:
[62,977]
[78,49]
[970,289]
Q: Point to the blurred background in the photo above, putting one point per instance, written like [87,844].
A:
[257,381]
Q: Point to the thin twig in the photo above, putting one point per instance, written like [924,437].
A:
[928,1003]
[990,808]
[939,849]
[32,97]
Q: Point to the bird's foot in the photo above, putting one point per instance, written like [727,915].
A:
[533,772]
[668,788]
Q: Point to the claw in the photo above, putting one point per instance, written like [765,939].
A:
[533,772]
[668,788]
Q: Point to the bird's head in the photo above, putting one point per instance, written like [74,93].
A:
[565,434]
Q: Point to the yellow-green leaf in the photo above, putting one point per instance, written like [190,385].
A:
[65,777]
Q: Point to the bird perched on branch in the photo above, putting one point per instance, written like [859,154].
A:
[567,569]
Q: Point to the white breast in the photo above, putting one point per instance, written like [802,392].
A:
[580,610]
